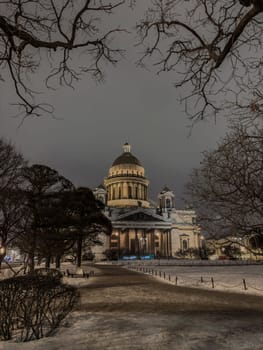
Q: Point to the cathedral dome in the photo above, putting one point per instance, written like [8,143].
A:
[126,158]
[126,183]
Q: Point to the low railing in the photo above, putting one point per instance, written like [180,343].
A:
[187,262]
[203,281]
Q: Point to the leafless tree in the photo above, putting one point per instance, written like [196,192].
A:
[214,46]
[13,216]
[11,163]
[227,189]
[61,29]
[12,212]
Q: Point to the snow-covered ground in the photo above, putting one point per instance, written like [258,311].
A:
[233,278]
[184,331]
[123,310]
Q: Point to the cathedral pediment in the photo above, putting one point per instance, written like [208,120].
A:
[140,215]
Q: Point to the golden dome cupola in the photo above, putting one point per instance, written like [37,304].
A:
[126,183]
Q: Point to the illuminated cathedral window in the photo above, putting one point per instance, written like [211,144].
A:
[168,203]
[185,245]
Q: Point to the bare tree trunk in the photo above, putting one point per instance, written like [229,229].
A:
[58,257]
[48,259]
[79,251]
[31,262]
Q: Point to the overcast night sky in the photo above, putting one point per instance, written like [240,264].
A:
[93,121]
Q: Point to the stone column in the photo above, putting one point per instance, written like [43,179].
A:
[165,243]
[111,188]
[119,238]
[127,241]
[145,242]
[139,191]
[170,243]
[114,194]
[121,190]
[137,246]
[108,193]
[153,241]
[125,190]
[161,242]
[133,191]
[181,244]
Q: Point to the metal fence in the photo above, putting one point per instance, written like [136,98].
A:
[204,281]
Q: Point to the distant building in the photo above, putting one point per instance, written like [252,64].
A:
[140,227]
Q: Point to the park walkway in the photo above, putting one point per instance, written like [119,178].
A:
[119,289]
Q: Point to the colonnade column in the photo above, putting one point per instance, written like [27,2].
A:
[161,242]
[109,193]
[139,191]
[122,190]
[168,233]
[170,242]
[119,241]
[165,244]
[144,242]
[127,241]
[125,190]
[137,246]
[153,241]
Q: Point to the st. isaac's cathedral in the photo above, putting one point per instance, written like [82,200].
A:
[141,227]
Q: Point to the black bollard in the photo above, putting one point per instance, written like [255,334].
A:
[212,280]
[244,283]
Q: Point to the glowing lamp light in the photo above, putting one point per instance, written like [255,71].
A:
[2,250]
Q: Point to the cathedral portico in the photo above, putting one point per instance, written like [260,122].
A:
[141,232]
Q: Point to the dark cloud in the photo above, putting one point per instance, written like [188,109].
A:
[94,120]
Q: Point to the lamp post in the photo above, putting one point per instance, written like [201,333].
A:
[2,255]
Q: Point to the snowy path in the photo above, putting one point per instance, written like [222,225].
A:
[122,309]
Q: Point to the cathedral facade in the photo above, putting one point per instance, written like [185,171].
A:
[140,227]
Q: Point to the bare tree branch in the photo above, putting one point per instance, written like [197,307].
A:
[62,28]
[215,47]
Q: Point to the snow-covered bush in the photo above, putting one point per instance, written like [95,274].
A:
[33,306]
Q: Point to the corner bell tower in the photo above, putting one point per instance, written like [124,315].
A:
[166,199]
